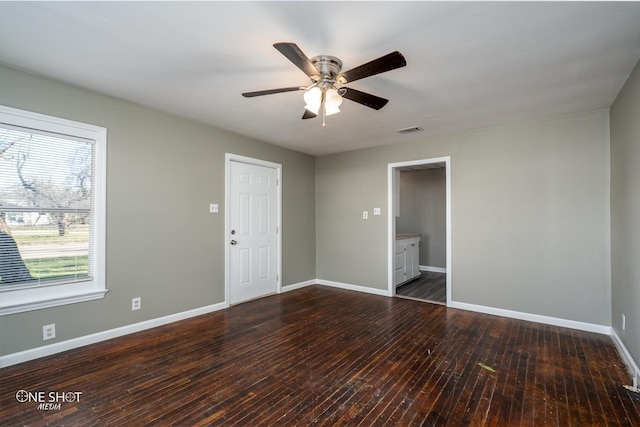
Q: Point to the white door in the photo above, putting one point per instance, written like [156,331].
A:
[253,231]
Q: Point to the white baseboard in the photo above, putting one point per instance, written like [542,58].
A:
[47,350]
[365,289]
[632,366]
[298,285]
[432,269]
[565,323]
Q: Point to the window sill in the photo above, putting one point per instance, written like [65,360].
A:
[21,301]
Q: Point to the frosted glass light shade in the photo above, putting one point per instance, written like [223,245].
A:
[313,98]
[332,102]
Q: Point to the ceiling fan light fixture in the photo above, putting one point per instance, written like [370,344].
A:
[328,111]
[322,97]
[313,98]
[332,102]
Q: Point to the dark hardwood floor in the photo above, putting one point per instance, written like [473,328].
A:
[429,286]
[324,356]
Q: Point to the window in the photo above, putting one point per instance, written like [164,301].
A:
[52,211]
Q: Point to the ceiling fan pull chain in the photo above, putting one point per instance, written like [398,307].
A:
[322,107]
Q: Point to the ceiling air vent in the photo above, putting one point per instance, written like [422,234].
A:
[410,129]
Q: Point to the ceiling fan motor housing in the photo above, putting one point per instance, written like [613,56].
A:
[328,66]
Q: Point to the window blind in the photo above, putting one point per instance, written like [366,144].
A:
[46,207]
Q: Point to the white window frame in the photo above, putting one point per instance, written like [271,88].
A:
[19,300]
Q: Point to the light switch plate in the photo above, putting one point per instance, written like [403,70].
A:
[376,211]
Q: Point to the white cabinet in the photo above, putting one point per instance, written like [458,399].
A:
[412,264]
[407,258]
[400,272]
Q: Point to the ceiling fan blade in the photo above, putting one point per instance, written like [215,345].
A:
[308,115]
[389,62]
[364,98]
[272,91]
[299,59]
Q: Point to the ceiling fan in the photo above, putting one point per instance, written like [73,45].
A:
[322,96]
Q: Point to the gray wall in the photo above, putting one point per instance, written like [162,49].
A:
[625,213]
[423,210]
[162,244]
[530,216]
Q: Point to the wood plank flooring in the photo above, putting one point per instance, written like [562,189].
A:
[331,357]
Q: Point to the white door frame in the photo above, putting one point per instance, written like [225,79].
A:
[392,188]
[229,157]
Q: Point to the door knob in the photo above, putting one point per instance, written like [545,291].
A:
[233,242]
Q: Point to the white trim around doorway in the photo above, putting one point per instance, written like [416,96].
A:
[392,188]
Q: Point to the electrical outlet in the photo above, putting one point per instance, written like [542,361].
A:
[136,303]
[49,332]
[213,208]
[365,214]
[624,322]
[376,211]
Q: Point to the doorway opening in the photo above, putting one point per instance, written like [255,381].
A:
[419,230]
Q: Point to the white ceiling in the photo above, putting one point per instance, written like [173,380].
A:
[470,65]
